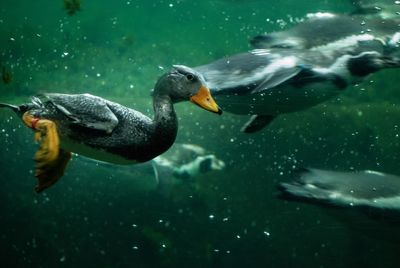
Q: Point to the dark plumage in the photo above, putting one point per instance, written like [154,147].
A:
[105,130]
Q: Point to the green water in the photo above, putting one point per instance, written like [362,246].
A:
[117,50]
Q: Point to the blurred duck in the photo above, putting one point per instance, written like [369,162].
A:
[107,131]
[366,188]
[300,67]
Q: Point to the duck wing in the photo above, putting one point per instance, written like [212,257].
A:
[251,72]
[84,110]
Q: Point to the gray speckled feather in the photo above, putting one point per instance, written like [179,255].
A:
[96,127]
[85,110]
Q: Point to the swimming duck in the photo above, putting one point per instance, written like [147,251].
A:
[365,188]
[294,70]
[105,130]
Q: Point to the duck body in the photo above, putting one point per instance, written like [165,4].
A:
[105,130]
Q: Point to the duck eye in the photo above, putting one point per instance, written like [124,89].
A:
[190,77]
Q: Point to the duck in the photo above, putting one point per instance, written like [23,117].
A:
[272,80]
[357,189]
[107,131]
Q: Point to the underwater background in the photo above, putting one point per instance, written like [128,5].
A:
[97,218]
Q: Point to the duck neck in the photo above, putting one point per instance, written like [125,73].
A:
[165,123]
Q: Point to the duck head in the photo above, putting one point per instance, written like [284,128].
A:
[183,83]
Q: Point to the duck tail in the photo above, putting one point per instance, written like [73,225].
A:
[20,109]
[15,108]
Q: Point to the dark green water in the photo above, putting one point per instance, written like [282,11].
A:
[117,49]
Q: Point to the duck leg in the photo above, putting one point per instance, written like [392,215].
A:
[50,173]
[51,160]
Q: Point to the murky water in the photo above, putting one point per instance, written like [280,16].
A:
[102,217]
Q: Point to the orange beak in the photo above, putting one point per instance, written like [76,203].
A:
[204,99]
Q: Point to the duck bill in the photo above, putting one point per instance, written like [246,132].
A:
[204,99]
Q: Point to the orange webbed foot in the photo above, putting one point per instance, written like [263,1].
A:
[49,173]
[51,161]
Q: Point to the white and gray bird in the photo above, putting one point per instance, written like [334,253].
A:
[303,66]
[367,188]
